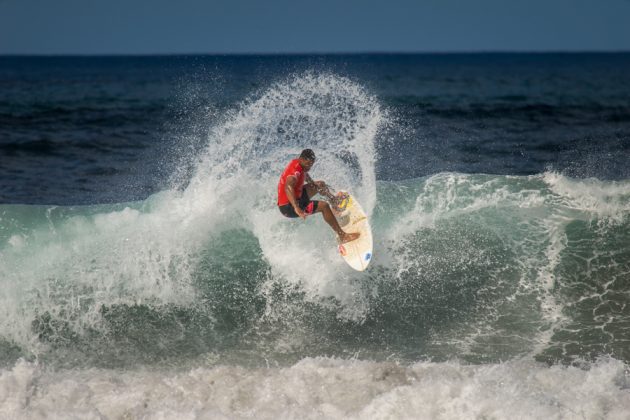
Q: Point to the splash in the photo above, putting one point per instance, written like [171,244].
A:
[246,154]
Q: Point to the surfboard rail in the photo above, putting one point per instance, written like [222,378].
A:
[352,218]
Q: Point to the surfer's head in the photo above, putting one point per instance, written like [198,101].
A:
[307,159]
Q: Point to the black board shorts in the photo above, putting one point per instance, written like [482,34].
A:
[309,207]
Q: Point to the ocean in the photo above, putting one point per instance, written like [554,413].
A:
[146,272]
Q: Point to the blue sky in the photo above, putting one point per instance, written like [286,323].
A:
[293,26]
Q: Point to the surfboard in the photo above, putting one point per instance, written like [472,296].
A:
[352,218]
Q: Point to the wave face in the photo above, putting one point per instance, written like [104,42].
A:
[478,267]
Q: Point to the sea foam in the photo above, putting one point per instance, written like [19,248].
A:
[323,388]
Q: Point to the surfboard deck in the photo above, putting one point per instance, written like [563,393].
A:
[352,218]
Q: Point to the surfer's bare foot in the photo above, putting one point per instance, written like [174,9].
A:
[348,237]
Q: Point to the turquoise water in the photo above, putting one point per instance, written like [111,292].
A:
[481,268]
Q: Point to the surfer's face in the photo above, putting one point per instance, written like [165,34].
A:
[307,164]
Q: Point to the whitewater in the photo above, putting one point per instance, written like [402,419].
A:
[489,296]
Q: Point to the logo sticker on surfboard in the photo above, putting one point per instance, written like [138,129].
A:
[357,253]
[342,201]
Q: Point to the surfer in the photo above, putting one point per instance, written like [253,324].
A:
[293,201]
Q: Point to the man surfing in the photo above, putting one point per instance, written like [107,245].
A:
[293,201]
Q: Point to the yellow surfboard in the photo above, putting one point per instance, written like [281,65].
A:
[352,218]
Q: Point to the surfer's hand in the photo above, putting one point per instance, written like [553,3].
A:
[300,213]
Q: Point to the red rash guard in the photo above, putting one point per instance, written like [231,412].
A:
[293,169]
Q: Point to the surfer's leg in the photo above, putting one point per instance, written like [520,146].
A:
[329,217]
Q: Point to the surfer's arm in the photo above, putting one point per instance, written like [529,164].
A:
[288,189]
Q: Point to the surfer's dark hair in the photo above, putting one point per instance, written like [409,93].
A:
[307,154]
